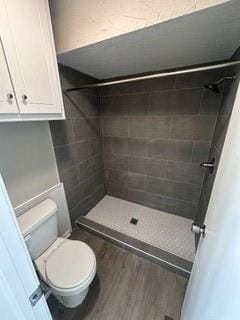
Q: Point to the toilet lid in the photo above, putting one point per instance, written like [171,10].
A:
[70,264]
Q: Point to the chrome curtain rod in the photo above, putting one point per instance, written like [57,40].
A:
[157,75]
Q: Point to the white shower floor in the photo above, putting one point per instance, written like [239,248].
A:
[157,228]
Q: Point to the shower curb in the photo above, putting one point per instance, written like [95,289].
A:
[167,260]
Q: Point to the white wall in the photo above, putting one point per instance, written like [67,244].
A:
[27,161]
[78,23]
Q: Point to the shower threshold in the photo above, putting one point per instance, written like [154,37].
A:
[163,238]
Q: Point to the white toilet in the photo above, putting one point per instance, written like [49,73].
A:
[67,266]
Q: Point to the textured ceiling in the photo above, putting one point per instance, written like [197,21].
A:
[204,36]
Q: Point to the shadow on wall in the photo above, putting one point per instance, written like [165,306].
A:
[78,145]
[225,111]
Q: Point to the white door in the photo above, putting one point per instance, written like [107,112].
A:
[18,279]
[7,97]
[28,42]
[213,292]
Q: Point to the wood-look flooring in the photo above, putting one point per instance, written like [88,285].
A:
[127,287]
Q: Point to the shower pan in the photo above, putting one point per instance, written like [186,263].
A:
[154,234]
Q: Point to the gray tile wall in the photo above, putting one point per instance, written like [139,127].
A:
[78,144]
[155,134]
[229,93]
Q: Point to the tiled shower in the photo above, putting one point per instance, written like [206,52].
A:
[155,135]
[142,142]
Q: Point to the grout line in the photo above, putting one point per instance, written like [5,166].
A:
[201,102]
[147,138]
[192,149]
[155,177]
[149,102]
[165,169]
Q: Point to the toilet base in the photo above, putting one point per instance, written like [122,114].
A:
[72,301]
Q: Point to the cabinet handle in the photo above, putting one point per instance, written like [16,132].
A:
[9,96]
[24,97]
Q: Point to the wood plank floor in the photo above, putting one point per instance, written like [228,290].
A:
[127,287]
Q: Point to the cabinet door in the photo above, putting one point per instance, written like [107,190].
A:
[28,42]
[7,97]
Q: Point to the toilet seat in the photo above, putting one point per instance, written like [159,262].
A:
[71,266]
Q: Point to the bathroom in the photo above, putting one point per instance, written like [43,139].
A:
[115,192]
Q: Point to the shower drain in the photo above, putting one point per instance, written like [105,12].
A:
[134,221]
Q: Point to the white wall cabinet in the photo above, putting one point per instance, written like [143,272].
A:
[7,98]
[28,62]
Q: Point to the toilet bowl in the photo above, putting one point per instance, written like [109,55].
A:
[67,266]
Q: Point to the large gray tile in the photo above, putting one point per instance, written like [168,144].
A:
[185,172]
[62,132]
[156,167]
[145,198]
[82,151]
[220,132]
[89,167]
[136,181]
[115,126]
[116,177]
[114,106]
[92,105]
[125,104]
[119,145]
[210,103]
[137,164]
[65,156]
[74,105]
[81,191]
[117,190]
[107,144]
[96,146]
[165,187]
[200,151]
[170,149]
[99,178]
[179,208]
[131,146]
[116,162]
[86,204]
[192,193]
[176,102]
[138,127]
[153,200]
[86,128]
[137,147]
[69,178]
[193,127]
[149,127]
[138,196]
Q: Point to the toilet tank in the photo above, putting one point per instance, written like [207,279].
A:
[39,227]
